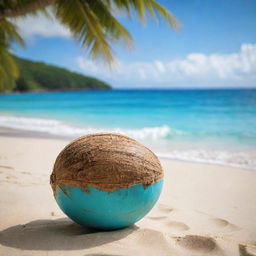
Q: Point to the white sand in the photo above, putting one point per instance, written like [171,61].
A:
[203,210]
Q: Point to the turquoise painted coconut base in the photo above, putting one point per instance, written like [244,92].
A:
[107,210]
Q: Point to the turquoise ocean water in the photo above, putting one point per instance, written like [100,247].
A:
[216,126]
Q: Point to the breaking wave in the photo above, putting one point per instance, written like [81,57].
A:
[240,159]
[157,135]
[56,127]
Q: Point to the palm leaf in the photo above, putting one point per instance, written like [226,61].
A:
[94,26]
[92,23]
[8,68]
[12,9]
[141,7]
[10,33]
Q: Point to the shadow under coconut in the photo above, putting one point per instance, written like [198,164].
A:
[59,234]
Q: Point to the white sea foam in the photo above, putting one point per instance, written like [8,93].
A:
[241,159]
[156,135]
[60,128]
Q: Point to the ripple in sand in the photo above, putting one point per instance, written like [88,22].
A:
[6,167]
[157,217]
[164,208]
[221,223]
[179,226]
[101,254]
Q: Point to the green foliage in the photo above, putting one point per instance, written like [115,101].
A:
[94,26]
[40,76]
[8,69]
[91,22]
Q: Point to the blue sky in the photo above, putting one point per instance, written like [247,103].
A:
[215,47]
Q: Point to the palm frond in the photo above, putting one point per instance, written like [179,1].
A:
[94,26]
[92,23]
[12,9]
[164,13]
[8,68]
[10,33]
[141,7]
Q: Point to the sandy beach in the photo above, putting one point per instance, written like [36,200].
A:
[203,210]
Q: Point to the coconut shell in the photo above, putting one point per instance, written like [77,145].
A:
[107,162]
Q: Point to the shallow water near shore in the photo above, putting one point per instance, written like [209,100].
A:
[216,126]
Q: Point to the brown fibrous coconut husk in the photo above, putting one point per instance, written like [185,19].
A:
[105,161]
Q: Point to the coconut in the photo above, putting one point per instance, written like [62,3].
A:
[107,162]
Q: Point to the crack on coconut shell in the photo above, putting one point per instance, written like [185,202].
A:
[105,161]
[64,190]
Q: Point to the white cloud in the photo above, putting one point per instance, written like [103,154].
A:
[234,68]
[41,25]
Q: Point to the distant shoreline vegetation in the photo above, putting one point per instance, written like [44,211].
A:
[41,77]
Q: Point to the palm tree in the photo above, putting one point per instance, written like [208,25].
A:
[91,22]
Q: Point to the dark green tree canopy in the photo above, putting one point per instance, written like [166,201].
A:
[40,76]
